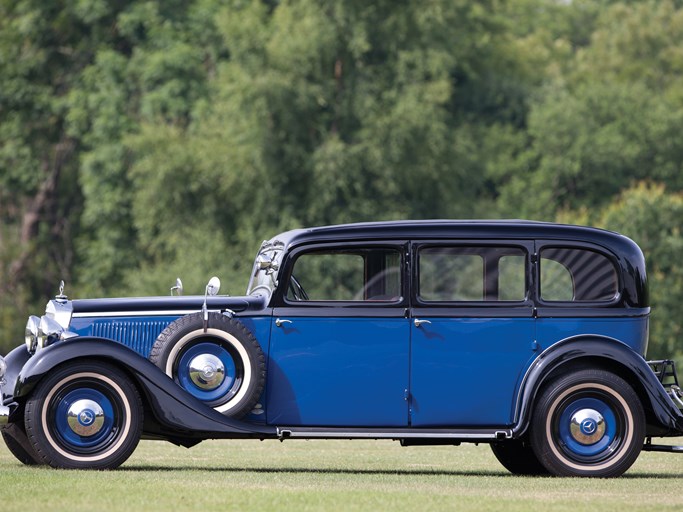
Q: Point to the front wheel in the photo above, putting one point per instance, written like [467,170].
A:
[84,416]
[588,423]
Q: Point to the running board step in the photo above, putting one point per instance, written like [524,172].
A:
[463,435]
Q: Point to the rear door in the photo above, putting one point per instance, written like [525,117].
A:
[472,332]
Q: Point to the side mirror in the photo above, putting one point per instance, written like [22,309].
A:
[213,286]
[178,287]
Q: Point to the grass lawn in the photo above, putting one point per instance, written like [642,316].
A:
[330,475]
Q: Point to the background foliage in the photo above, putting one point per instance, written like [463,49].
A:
[142,140]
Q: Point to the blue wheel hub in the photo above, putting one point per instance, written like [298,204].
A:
[588,428]
[209,372]
[85,418]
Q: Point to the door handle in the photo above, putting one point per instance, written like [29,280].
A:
[279,322]
[419,322]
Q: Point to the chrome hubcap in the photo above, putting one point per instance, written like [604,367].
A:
[587,426]
[85,417]
[207,371]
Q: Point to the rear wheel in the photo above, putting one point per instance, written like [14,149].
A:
[589,423]
[84,416]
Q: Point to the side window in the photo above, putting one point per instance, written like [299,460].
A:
[372,274]
[472,274]
[511,277]
[577,275]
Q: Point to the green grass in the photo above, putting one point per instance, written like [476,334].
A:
[330,475]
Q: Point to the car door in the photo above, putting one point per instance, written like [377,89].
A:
[472,332]
[340,338]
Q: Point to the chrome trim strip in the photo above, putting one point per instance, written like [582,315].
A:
[292,432]
[177,312]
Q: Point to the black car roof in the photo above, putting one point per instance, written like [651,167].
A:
[444,229]
[625,251]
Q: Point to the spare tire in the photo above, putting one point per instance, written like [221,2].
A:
[223,366]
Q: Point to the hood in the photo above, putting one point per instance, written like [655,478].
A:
[180,305]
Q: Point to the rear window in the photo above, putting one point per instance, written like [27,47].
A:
[577,275]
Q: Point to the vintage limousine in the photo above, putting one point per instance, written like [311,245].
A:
[528,336]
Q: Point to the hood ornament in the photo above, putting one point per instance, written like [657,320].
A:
[60,297]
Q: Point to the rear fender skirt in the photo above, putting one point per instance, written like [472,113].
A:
[177,412]
[611,351]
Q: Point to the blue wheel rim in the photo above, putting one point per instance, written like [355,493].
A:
[604,445]
[67,434]
[231,363]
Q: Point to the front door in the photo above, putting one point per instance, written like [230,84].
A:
[339,350]
[472,332]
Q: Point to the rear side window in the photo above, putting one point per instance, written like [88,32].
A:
[577,275]
[472,274]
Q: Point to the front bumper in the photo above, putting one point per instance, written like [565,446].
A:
[4,410]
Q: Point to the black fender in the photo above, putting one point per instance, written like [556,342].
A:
[178,414]
[611,353]
[16,359]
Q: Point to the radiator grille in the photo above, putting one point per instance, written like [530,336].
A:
[138,335]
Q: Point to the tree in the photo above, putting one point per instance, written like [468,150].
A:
[653,217]
[604,123]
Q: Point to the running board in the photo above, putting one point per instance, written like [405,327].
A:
[472,436]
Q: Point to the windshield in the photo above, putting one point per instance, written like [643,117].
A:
[266,265]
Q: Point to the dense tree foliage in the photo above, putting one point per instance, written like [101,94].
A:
[142,140]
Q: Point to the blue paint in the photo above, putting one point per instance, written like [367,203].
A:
[460,372]
[466,371]
[339,372]
[137,333]
[633,331]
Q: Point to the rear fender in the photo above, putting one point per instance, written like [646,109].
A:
[178,413]
[606,352]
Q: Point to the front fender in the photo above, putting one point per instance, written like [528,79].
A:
[179,414]
[15,360]
[610,353]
